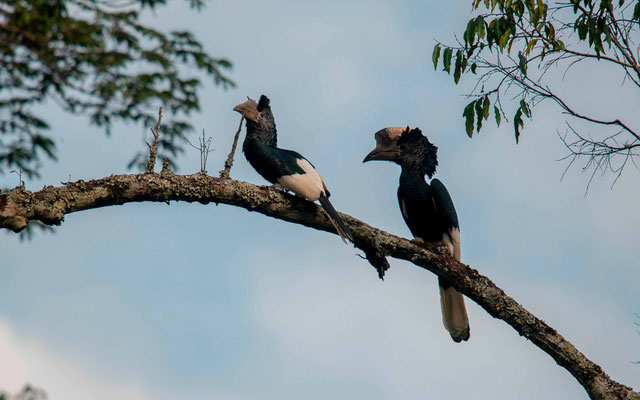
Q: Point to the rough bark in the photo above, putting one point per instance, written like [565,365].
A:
[51,204]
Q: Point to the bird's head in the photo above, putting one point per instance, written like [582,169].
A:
[253,111]
[260,121]
[249,110]
[406,147]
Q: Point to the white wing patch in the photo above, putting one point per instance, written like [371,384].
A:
[452,240]
[403,208]
[308,185]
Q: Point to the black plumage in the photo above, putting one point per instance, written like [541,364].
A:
[285,168]
[427,209]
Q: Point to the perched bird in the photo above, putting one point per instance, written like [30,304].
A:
[283,168]
[427,209]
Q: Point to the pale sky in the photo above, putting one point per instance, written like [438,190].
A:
[150,301]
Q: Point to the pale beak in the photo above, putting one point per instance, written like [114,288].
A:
[248,109]
[382,153]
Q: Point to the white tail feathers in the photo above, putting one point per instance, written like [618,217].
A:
[454,313]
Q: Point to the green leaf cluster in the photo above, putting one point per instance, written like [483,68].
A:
[477,111]
[534,32]
[97,60]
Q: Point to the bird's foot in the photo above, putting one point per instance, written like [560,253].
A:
[420,242]
[436,247]
[278,187]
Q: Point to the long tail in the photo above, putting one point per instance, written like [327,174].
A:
[335,219]
[454,313]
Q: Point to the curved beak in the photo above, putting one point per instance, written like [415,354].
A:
[248,109]
[382,153]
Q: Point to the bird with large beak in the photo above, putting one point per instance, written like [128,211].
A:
[427,209]
[284,168]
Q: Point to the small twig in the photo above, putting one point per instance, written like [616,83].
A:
[204,146]
[166,167]
[153,149]
[227,164]
[19,173]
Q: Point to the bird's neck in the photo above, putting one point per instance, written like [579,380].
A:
[264,133]
[412,177]
[413,167]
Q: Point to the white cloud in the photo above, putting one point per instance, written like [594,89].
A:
[24,360]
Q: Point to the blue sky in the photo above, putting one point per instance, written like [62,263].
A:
[154,301]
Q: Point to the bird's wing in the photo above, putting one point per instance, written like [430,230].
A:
[287,161]
[297,174]
[272,162]
[448,218]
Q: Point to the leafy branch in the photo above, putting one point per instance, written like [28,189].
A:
[510,47]
[95,58]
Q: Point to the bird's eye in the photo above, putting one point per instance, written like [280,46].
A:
[403,147]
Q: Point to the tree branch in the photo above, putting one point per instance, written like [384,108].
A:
[153,148]
[51,204]
[229,163]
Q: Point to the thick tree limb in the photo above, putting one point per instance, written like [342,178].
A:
[51,204]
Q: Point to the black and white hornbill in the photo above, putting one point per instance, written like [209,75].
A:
[427,209]
[283,168]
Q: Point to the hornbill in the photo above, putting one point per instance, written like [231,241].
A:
[283,168]
[427,209]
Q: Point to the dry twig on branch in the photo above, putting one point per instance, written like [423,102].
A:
[227,164]
[204,147]
[153,148]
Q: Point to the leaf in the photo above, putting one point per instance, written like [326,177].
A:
[522,63]
[468,118]
[435,56]
[551,31]
[530,45]
[496,111]
[525,108]
[485,107]
[480,28]
[458,68]
[504,39]
[492,32]
[542,8]
[478,109]
[469,35]
[582,29]
[474,66]
[446,59]
[518,123]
